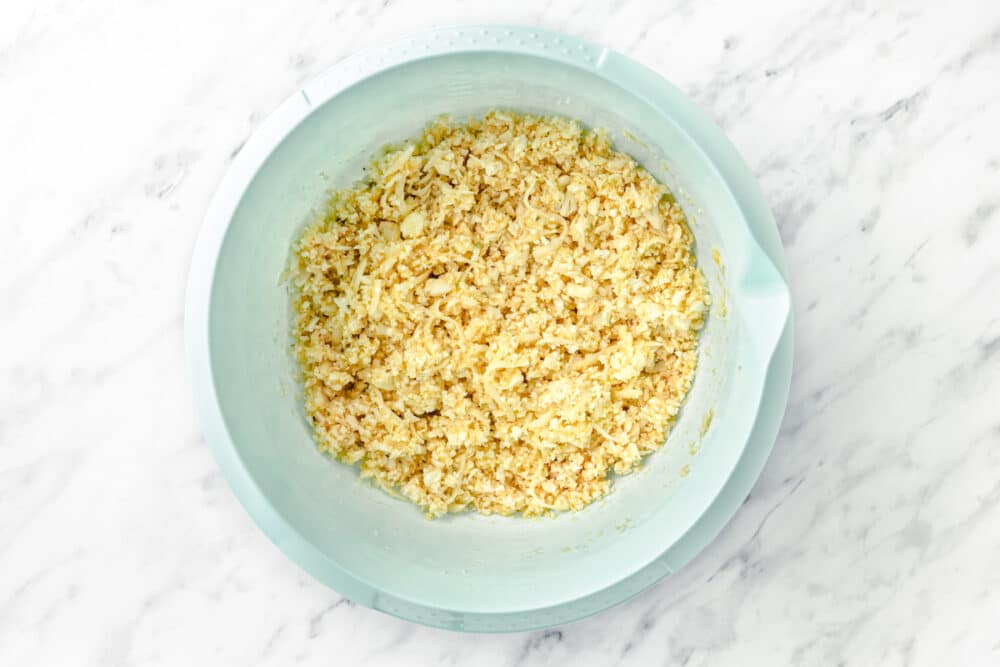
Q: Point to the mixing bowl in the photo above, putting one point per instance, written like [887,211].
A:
[469,571]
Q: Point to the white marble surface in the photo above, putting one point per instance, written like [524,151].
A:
[873,536]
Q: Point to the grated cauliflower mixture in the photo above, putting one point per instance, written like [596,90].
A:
[500,315]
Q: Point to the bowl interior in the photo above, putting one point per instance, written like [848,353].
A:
[470,563]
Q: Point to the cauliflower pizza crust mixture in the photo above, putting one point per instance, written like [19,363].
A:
[504,312]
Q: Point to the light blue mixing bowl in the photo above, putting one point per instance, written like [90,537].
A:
[468,571]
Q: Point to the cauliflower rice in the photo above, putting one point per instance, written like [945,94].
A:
[500,315]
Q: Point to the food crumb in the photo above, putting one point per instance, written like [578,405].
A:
[505,312]
[706,422]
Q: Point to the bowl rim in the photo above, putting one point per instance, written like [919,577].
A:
[520,40]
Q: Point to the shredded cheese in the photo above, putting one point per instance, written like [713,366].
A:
[504,312]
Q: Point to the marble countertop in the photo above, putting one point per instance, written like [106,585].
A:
[873,535]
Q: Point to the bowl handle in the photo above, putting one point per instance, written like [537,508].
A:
[765,294]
